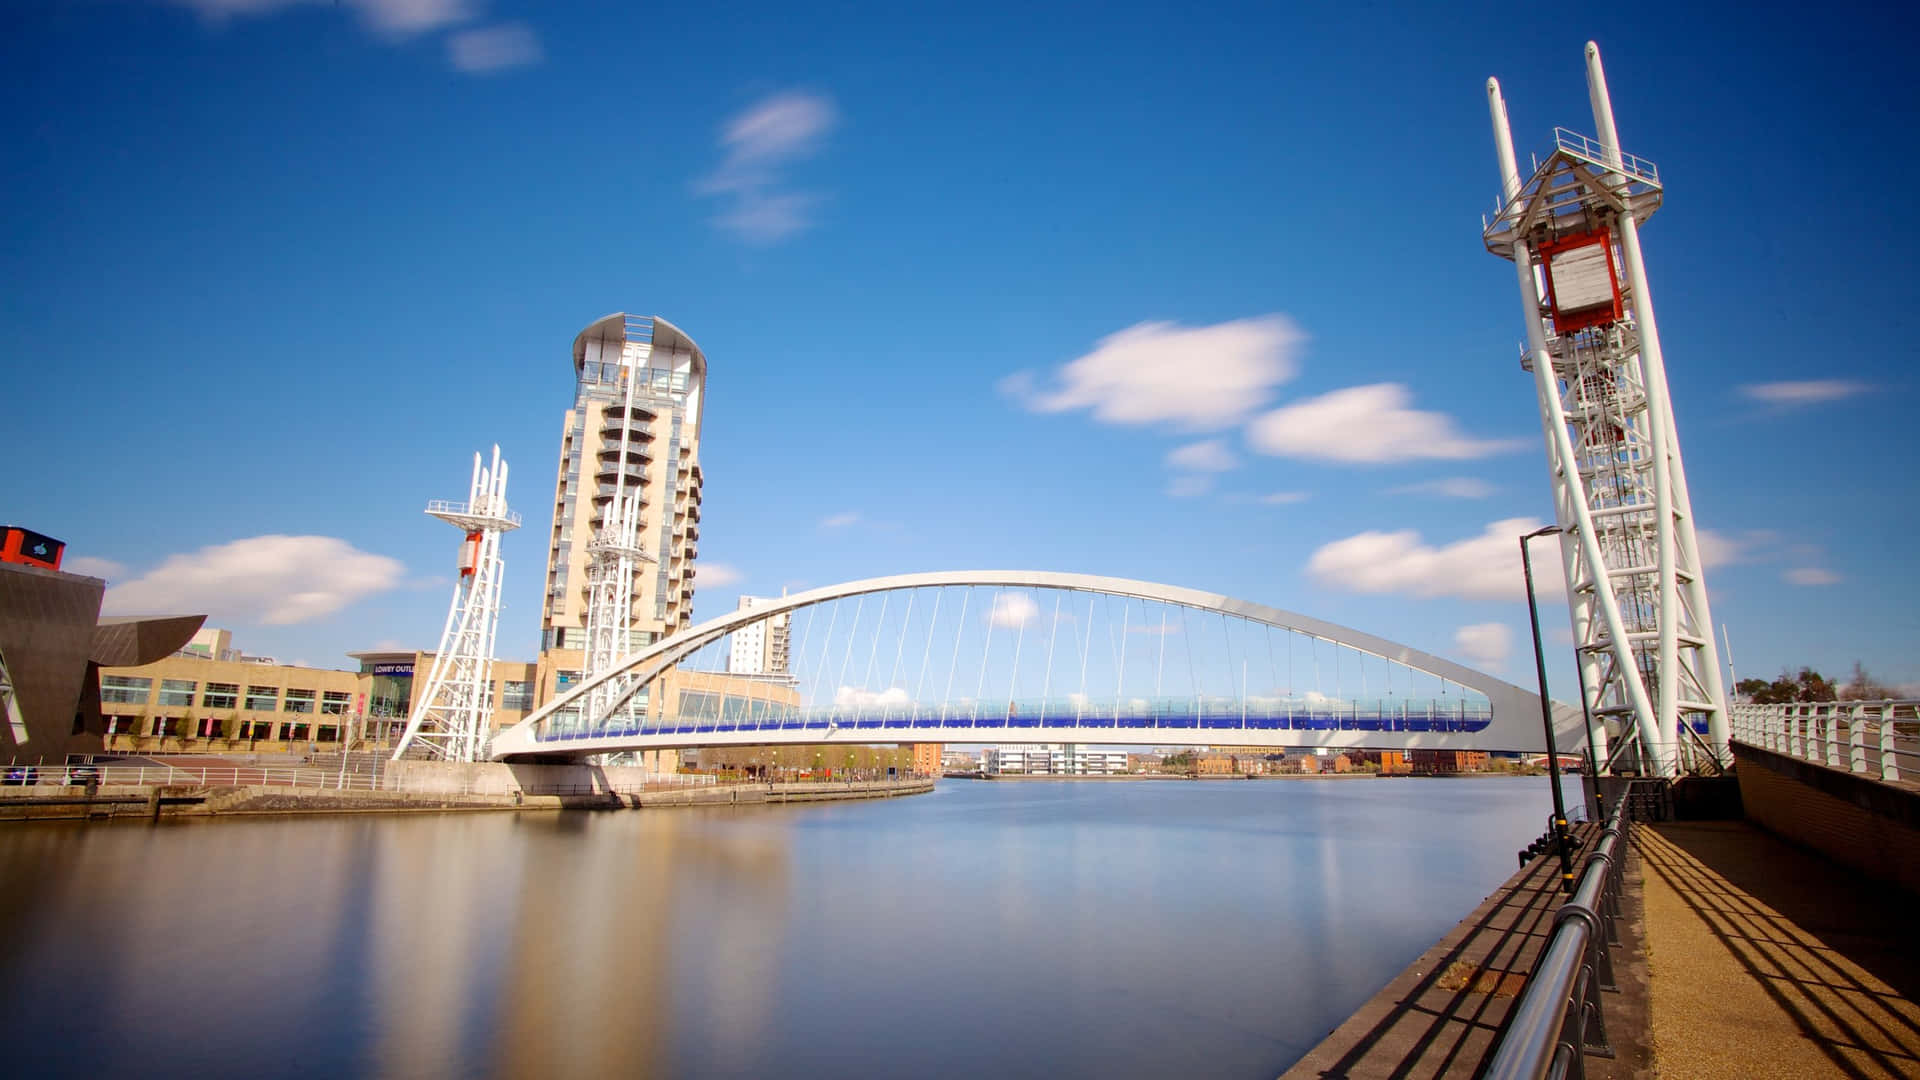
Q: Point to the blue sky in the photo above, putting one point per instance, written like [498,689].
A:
[277,269]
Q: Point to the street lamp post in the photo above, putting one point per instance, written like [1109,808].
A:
[1546,715]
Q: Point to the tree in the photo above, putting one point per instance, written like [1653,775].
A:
[1862,687]
[1789,688]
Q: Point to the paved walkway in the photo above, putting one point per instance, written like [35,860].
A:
[1770,962]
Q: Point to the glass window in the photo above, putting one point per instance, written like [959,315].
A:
[294,732]
[125,689]
[263,698]
[299,700]
[168,725]
[210,728]
[517,695]
[256,729]
[220,695]
[335,702]
[177,692]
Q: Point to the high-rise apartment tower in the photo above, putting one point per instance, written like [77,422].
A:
[644,448]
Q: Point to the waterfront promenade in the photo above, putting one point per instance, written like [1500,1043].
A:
[1741,956]
[1768,961]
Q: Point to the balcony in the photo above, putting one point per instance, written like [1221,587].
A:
[637,454]
[641,414]
[636,478]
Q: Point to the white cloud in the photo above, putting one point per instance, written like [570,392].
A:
[94,566]
[1210,455]
[494,48]
[1198,377]
[1719,549]
[760,143]
[1281,498]
[1804,392]
[1484,644]
[1484,567]
[389,18]
[273,579]
[1448,487]
[892,696]
[1189,485]
[715,573]
[840,520]
[1810,575]
[1012,609]
[1366,425]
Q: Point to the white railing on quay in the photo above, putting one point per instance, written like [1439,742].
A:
[82,775]
[1869,738]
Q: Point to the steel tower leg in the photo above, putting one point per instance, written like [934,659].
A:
[1638,599]
[451,710]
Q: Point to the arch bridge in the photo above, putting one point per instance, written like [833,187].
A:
[1030,657]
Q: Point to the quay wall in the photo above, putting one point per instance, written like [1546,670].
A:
[1871,826]
[193,802]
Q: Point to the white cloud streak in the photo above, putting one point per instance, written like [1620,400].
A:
[1210,455]
[94,566]
[388,18]
[1199,378]
[494,48]
[1810,575]
[272,579]
[1189,485]
[1013,609]
[840,520]
[858,698]
[759,144]
[1367,425]
[716,574]
[1449,487]
[1793,394]
[1485,645]
[1484,567]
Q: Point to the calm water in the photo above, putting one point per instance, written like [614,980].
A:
[1016,929]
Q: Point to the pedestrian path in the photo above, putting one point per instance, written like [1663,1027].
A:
[1767,961]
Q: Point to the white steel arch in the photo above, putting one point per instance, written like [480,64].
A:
[1515,711]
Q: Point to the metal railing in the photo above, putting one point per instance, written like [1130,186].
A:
[1868,738]
[82,775]
[1557,1020]
[1601,154]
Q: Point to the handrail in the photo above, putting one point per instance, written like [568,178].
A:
[1867,738]
[1557,1019]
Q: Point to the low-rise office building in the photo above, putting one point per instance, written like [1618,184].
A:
[191,702]
[1052,759]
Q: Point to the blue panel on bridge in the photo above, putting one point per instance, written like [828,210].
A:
[1145,725]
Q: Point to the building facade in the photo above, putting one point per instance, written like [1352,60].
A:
[191,703]
[1052,759]
[634,431]
[759,649]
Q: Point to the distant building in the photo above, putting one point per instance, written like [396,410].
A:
[54,643]
[1214,765]
[926,758]
[1052,760]
[1448,762]
[759,649]
[959,761]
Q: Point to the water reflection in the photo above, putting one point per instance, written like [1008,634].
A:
[1036,929]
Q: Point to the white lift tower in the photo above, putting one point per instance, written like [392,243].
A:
[1648,667]
[450,712]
